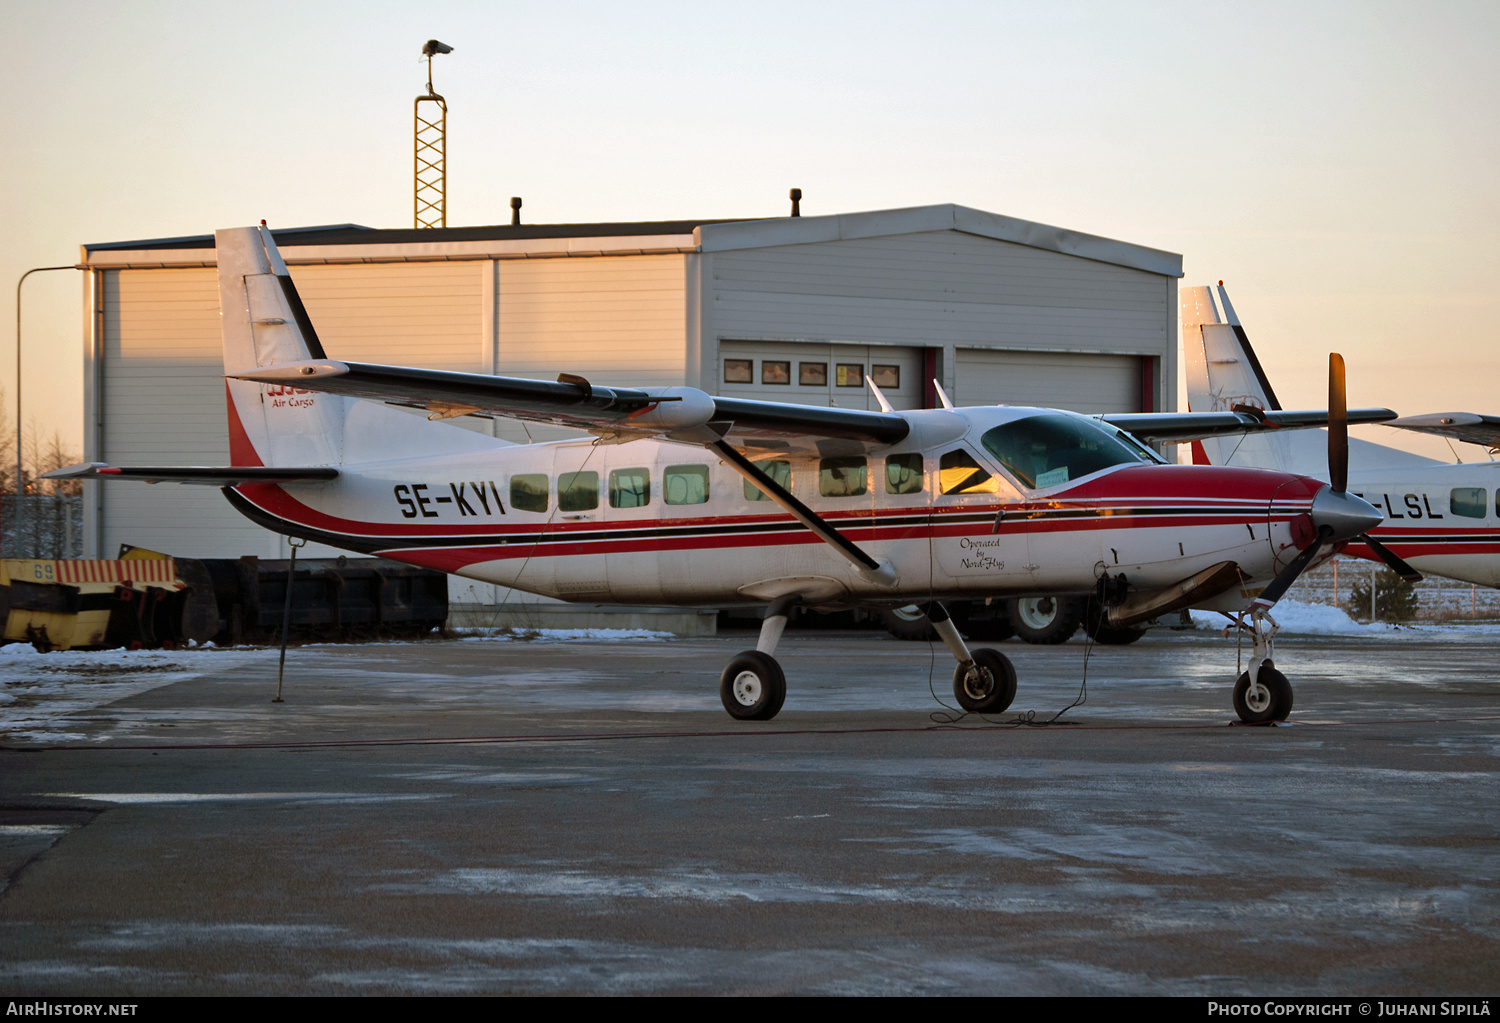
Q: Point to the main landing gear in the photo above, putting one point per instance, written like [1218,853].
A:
[752,686]
[1262,695]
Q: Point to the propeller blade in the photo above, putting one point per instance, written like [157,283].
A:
[1398,566]
[1274,592]
[1338,424]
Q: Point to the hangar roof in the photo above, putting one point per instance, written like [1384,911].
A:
[353,243]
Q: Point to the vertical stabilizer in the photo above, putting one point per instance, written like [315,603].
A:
[264,323]
[1222,373]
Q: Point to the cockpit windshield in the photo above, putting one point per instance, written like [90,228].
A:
[1048,449]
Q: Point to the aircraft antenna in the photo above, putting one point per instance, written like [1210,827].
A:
[430,152]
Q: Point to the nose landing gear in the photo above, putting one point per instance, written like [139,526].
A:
[1262,695]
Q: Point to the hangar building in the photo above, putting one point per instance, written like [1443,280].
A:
[798,309]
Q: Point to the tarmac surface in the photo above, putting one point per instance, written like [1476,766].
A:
[609,829]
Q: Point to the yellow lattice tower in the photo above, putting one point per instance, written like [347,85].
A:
[430,153]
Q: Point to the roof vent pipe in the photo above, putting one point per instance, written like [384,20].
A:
[515,211]
[796,196]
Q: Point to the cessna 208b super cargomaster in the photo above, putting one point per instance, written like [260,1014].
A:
[687,499]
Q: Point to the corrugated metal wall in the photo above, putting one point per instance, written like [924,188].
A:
[619,318]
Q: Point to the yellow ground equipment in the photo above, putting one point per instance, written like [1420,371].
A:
[136,602]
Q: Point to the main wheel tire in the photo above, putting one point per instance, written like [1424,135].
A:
[1046,619]
[1099,632]
[988,685]
[1272,703]
[752,686]
[908,623]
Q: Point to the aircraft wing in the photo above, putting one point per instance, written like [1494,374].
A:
[681,412]
[1465,426]
[208,476]
[1178,427]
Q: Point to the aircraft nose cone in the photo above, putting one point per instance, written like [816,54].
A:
[1343,515]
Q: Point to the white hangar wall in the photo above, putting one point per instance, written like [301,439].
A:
[1001,310]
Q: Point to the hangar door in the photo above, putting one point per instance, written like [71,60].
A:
[814,373]
[1067,380]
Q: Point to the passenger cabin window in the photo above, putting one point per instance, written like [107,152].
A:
[528,492]
[843,476]
[959,473]
[1469,501]
[686,484]
[629,488]
[773,371]
[1045,450]
[577,491]
[737,371]
[780,473]
[903,474]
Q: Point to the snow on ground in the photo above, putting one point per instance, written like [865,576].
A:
[523,635]
[1298,618]
[37,690]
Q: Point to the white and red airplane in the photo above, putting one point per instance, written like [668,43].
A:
[1441,518]
[682,498]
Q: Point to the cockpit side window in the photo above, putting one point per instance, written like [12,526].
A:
[1049,449]
[959,473]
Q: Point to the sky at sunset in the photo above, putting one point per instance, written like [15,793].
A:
[1337,164]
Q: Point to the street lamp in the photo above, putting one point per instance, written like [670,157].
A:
[21,504]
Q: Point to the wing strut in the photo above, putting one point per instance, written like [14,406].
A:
[876,571]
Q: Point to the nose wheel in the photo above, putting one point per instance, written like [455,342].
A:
[1267,699]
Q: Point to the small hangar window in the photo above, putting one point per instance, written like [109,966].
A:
[739,371]
[1469,501]
[774,371]
[812,374]
[849,374]
[886,376]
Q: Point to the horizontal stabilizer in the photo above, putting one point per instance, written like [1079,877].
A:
[1177,427]
[207,476]
[1470,427]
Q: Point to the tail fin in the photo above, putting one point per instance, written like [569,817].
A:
[1222,372]
[264,322]
[1222,368]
